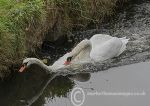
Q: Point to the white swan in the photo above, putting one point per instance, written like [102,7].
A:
[99,48]
[105,47]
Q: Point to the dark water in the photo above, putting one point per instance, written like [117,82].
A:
[36,88]
[32,88]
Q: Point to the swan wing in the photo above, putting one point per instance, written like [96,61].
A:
[124,43]
[106,50]
[99,39]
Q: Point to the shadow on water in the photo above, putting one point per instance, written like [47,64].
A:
[27,87]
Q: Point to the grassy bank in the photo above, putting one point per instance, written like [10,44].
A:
[25,23]
[18,24]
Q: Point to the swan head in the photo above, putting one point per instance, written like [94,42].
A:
[28,62]
[68,60]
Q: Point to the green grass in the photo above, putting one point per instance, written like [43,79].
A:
[17,20]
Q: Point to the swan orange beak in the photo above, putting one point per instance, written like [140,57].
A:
[22,68]
[67,63]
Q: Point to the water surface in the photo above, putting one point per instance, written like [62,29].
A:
[127,79]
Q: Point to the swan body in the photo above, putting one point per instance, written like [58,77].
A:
[105,47]
[99,47]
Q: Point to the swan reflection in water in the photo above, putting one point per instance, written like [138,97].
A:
[27,87]
[48,81]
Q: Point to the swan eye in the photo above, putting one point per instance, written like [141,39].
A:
[69,59]
[25,63]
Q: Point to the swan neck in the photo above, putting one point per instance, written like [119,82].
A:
[84,45]
[42,65]
[82,51]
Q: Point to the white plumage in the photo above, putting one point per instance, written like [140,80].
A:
[98,48]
